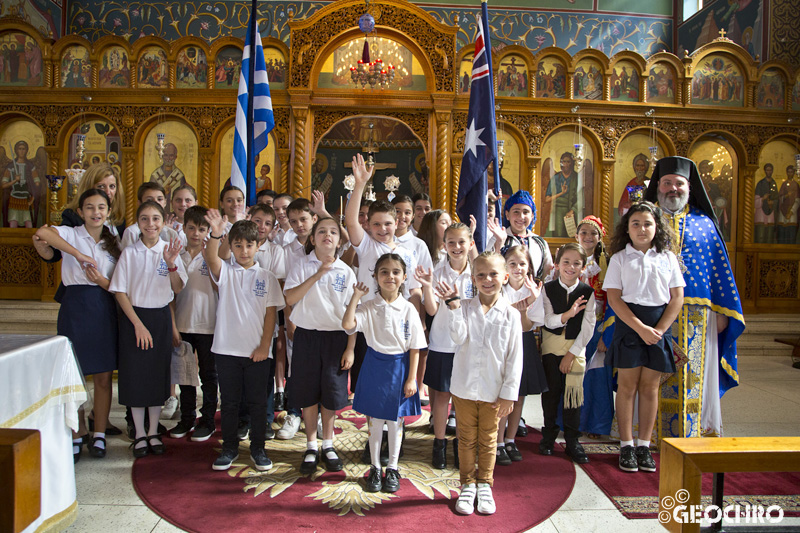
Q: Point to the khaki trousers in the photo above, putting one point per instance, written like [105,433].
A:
[477,436]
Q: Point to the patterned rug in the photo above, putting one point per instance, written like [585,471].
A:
[636,494]
[181,487]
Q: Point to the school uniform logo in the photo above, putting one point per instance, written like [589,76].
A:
[406,329]
[261,288]
[203,269]
[339,283]
[663,263]
[469,289]
[162,268]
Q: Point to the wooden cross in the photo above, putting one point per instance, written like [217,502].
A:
[378,166]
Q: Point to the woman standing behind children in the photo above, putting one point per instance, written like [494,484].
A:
[148,275]
[387,387]
[91,252]
[441,350]
[318,288]
[521,291]
[644,284]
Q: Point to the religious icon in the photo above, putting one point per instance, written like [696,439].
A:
[766,203]
[636,186]
[115,71]
[588,81]
[512,77]
[168,174]
[788,204]
[76,70]
[23,185]
[661,84]
[227,67]
[191,68]
[567,193]
[551,79]
[771,90]
[718,81]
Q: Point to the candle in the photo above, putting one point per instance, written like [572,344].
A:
[341,206]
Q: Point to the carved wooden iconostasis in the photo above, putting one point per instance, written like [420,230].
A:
[719,106]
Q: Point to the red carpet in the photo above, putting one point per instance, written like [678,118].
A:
[182,488]
[636,494]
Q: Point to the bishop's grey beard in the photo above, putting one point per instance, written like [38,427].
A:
[673,203]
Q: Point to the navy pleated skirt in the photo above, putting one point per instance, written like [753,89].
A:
[379,391]
[88,318]
[628,350]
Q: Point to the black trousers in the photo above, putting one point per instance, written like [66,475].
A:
[556,383]
[240,376]
[208,381]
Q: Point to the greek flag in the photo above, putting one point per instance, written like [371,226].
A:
[254,118]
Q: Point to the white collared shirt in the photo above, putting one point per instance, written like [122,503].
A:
[418,247]
[322,308]
[488,361]
[284,237]
[533,248]
[143,275]
[72,272]
[196,304]
[244,295]
[645,279]
[293,253]
[132,234]
[390,328]
[439,338]
[541,314]
[271,256]
[369,251]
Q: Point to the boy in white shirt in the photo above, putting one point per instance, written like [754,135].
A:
[195,319]
[249,299]
[283,233]
[149,191]
[487,368]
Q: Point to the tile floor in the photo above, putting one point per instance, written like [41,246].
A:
[767,402]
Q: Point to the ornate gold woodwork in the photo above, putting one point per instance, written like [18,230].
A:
[417,121]
[748,205]
[455,162]
[283,177]
[783,26]
[129,156]
[206,176]
[299,176]
[531,184]
[442,150]
[20,264]
[606,171]
[778,279]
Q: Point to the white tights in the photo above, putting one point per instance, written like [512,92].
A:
[376,436]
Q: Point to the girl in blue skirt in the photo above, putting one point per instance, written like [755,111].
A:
[644,285]
[387,389]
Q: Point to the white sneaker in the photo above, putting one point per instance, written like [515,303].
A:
[290,426]
[466,500]
[170,407]
[485,499]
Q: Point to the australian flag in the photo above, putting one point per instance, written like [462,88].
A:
[480,140]
[254,117]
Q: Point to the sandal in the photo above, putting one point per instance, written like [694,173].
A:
[97,451]
[140,452]
[156,449]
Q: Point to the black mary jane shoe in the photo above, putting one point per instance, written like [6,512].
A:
[96,451]
[140,452]
[156,449]
[76,456]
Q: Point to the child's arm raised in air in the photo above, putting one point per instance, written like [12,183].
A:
[425,278]
[349,320]
[217,225]
[171,252]
[263,350]
[361,175]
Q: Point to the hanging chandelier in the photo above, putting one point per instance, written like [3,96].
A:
[366,71]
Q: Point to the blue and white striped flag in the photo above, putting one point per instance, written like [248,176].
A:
[261,118]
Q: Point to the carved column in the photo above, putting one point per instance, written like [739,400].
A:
[530,186]
[749,95]
[129,179]
[173,74]
[605,191]
[442,131]
[748,203]
[455,162]
[206,177]
[282,179]
[53,212]
[299,175]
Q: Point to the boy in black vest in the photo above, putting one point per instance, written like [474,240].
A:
[569,319]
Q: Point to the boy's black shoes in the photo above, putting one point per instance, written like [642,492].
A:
[391,481]
[545,448]
[260,460]
[439,459]
[182,429]
[225,459]
[203,432]
[576,452]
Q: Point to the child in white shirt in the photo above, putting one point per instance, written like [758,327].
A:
[149,191]
[486,373]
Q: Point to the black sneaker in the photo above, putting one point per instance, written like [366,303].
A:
[627,459]
[332,464]
[455,454]
[374,483]
[225,459]
[182,429]
[280,401]
[269,434]
[513,452]
[391,481]
[522,429]
[502,457]
[309,467]
[644,459]
[244,430]
[439,459]
[260,460]
[203,432]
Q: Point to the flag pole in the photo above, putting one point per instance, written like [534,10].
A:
[251,165]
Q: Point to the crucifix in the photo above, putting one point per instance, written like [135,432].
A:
[371,148]
[722,32]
